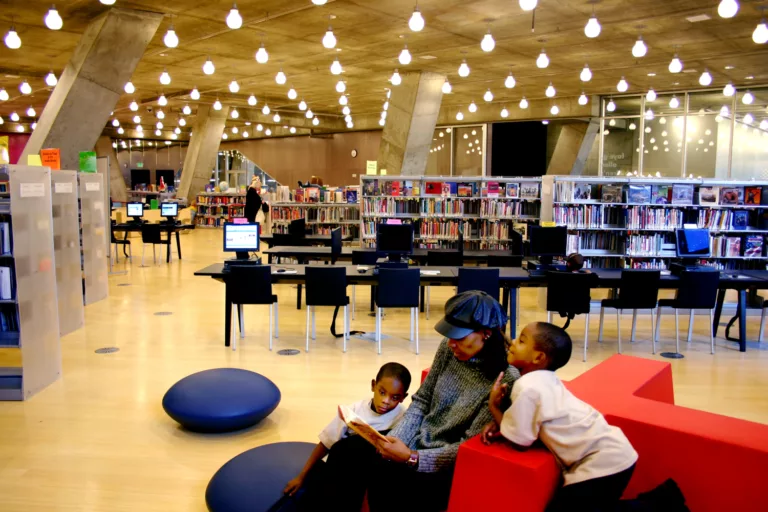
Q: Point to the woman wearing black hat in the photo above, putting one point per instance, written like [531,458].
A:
[413,470]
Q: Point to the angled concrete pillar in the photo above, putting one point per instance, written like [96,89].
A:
[202,151]
[117,188]
[91,83]
[413,109]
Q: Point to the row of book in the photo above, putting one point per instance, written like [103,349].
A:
[6,290]
[9,320]
[448,206]
[528,191]
[633,217]
[625,263]
[723,219]
[282,213]
[448,230]
[211,222]
[233,199]
[609,243]
[721,246]
[5,238]
[326,195]
[389,206]
[509,209]
[659,244]
[643,217]
[322,214]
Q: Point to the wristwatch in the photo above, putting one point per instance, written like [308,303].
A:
[413,460]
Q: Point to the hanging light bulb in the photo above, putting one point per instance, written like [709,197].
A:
[554,110]
[488,96]
[674,102]
[764,124]
[592,28]
[265,110]
[25,88]
[350,125]
[611,106]
[267,132]
[115,123]
[550,92]
[336,68]
[639,49]
[405,56]
[728,8]
[650,95]
[315,121]
[622,86]
[748,119]
[649,115]
[162,100]
[224,136]
[252,100]
[724,111]
[235,129]
[137,119]
[159,125]
[472,107]
[341,86]
[675,65]
[165,78]
[259,127]
[528,5]
[319,2]
[302,105]
[52,19]
[542,61]
[208,67]
[234,87]
[329,40]
[217,104]
[129,88]
[182,121]
[383,115]
[292,94]
[459,116]
[447,87]
[31,112]
[760,35]
[395,78]
[170,39]
[416,23]
[347,118]
[50,79]
[464,69]
[583,100]
[15,117]
[747,99]
[510,83]
[729,90]
[158,132]
[488,43]
[346,110]
[382,122]
[523,103]
[292,129]
[280,77]
[343,100]
[261,55]
[234,20]
[586,74]
[504,113]
[160,114]
[120,130]
[194,94]
[235,114]
[12,39]
[705,78]
[4,94]
[308,114]
[133,106]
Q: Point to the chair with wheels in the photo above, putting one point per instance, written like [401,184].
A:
[442,258]
[638,289]
[365,258]
[251,284]
[478,278]
[568,294]
[117,242]
[153,234]
[327,286]
[697,290]
[398,288]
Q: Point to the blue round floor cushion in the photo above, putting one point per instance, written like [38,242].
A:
[221,400]
[254,480]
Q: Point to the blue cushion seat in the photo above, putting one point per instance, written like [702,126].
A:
[221,400]
[254,480]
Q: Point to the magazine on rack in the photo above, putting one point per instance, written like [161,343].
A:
[360,426]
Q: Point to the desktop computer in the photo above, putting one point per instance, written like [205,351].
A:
[170,211]
[241,239]
[394,240]
[135,211]
[546,243]
[690,244]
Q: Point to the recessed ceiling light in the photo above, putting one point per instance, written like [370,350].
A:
[688,70]
[698,17]
[651,74]
[676,83]
[729,67]
[162,55]
[332,16]
[428,57]
[338,49]
[750,77]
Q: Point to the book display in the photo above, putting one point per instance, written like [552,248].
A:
[483,210]
[323,209]
[214,209]
[640,231]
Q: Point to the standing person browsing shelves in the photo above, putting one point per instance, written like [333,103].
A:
[253,202]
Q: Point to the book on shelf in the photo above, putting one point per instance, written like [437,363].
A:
[394,188]
[581,192]
[368,187]
[753,195]
[740,219]
[609,193]
[513,189]
[433,188]
[716,220]
[529,191]
[732,195]
[5,238]
[639,194]
[493,189]
[445,189]
[733,246]
[464,190]
[753,246]
[351,195]
[661,194]
[682,194]
[522,228]
[709,196]
[5,283]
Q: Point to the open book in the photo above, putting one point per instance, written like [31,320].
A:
[360,426]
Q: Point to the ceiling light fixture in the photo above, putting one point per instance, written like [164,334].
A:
[728,8]
[159,125]
[649,115]
[622,86]
[528,5]
[523,103]
[341,86]
[137,119]
[382,122]
[472,107]
[395,78]
[265,110]
[416,23]
[252,101]
[343,100]
[52,19]
[542,61]
[464,69]
[639,49]
[488,43]
[170,39]
[405,56]
[235,114]
[554,110]
[329,40]
[267,132]
[729,90]
[162,100]
[308,114]
[611,106]
[31,112]
[705,78]
[459,116]
[550,92]
[336,67]
[165,78]
[276,117]
[15,117]
[292,129]
[675,65]
[208,67]
[650,95]
[315,121]
[133,106]
[182,121]
[261,55]
[592,28]
[760,35]
[447,87]
[234,87]
[129,88]
[748,98]
[25,88]
[748,119]
[488,96]
[120,130]
[194,94]
[4,94]
[346,110]
[583,100]
[160,114]
[115,123]
[234,20]
[12,39]
[586,74]
[280,77]
[510,83]
[50,79]
[674,102]
[504,113]
[302,105]
[217,105]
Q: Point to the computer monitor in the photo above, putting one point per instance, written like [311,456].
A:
[547,242]
[135,210]
[692,243]
[241,238]
[394,240]
[335,245]
[298,228]
[169,210]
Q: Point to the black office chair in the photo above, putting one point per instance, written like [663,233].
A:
[398,288]
[251,284]
[568,294]
[442,258]
[483,279]
[697,290]
[365,258]
[638,289]
[153,234]
[327,286]
[117,242]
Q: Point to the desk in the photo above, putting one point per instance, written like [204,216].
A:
[514,277]
[310,239]
[168,228]
[304,253]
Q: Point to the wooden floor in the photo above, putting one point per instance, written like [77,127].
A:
[98,439]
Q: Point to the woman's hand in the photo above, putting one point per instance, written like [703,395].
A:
[498,392]
[490,433]
[395,450]
[294,485]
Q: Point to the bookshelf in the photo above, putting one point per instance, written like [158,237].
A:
[30,351]
[621,222]
[214,208]
[484,209]
[323,209]
[93,232]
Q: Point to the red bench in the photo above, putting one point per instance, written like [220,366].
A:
[720,463]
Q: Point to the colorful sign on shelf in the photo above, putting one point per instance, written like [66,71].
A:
[370,167]
[34,160]
[88,161]
[51,158]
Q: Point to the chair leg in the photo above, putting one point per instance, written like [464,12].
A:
[690,325]
[353,302]
[711,330]
[762,325]
[416,315]
[426,307]
[634,326]
[344,336]
[154,254]
[653,333]
[618,327]
[233,333]
[271,310]
[130,253]
[242,320]
[602,318]
[143,247]
[411,338]
[277,317]
[517,291]
[586,336]
[307,330]
[677,332]
[658,327]
[314,331]
[549,317]
[378,329]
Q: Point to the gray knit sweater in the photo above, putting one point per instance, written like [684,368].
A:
[450,407]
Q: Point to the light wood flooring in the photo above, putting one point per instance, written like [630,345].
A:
[99,440]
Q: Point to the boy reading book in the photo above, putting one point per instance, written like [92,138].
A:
[381,413]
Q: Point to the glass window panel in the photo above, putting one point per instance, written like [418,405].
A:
[666,104]
[708,137]
[469,151]
[759,102]
[750,149]
[621,143]
[624,106]
[663,146]
[439,161]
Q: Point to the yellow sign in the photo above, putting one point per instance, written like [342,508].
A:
[383,172]
[370,167]
[5,157]
[34,160]
[547,224]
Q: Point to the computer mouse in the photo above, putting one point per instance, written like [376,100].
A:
[362,271]
[280,270]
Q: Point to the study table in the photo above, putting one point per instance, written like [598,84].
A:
[168,228]
[305,253]
[514,277]
[309,239]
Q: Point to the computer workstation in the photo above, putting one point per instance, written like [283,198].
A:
[135,211]
[242,239]
[546,243]
[169,211]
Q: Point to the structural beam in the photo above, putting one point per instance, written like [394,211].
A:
[118,190]
[202,151]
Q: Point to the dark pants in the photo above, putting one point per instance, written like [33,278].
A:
[353,467]
[596,495]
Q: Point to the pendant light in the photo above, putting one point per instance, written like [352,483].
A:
[259,127]
[675,65]
[674,102]
[504,113]
[586,74]
[309,113]
[265,110]
[159,125]
[292,129]
[343,100]
[347,118]
[252,101]
[592,28]
[747,99]
[319,2]
[405,56]
[276,117]
[464,69]
[129,88]
[528,5]
[472,107]
[280,77]
[760,35]
[315,121]
[523,103]
[488,96]
[583,100]
[728,8]
[329,40]
[336,67]
[341,86]
[224,136]
[724,111]
[395,78]
[447,87]
[115,123]
[554,110]
[510,83]
[25,88]
[162,100]
[639,49]
[267,132]
[234,20]
[208,67]
[15,117]
[488,43]
[52,19]
[50,79]
[350,125]
[12,39]
[729,90]
[261,55]
[137,119]
[459,116]
[346,110]
[542,61]
[234,114]
[4,94]
[165,78]
[382,122]
[160,114]
[416,23]
[182,121]
[217,105]
[133,106]
[705,78]
[234,87]
[748,119]
[550,92]
[158,132]
[649,115]
[303,105]
[31,112]
[120,130]
[611,106]
[292,94]
[650,95]
[622,86]
[170,39]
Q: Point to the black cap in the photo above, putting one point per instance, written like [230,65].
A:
[468,312]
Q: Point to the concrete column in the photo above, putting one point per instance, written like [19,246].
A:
[117,188]
[92,83]
[202,150]
[413,109]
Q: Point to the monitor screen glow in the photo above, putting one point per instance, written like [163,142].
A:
[169,209]
[241,237]
[135,209]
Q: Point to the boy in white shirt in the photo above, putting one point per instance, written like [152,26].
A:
[596,458]
[382,412]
